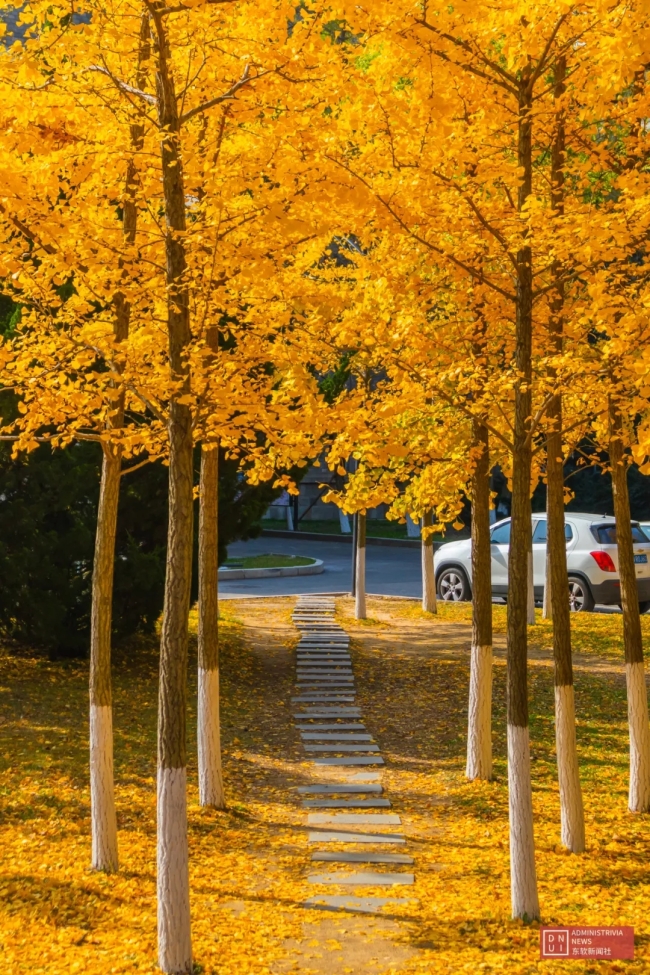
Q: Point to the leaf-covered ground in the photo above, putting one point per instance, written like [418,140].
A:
[248,864]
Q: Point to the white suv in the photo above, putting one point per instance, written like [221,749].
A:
[592,560]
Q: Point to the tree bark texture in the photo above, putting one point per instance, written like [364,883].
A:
[637,700]
[429,604]
[571,804]
[208,731]
[547,605]
[102,789]
[525,902]
[479,724]
[530,590]
[355,546]
[174,933]
[102,794]
[360,580]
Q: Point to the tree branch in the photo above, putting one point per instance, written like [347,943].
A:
[219,99]
[122,85]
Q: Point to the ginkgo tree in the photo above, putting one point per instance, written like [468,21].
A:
[179,262]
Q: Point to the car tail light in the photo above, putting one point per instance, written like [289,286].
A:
[604,561]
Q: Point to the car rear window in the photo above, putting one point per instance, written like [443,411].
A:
[606,534]
[501,534]
[539,535]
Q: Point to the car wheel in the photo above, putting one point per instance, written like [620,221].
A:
[453,586]
[644,605]
[580,598]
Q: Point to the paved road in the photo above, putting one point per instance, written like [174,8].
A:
[389,571]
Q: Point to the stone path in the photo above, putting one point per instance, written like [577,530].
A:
[332,730]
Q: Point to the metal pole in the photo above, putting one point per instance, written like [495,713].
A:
[355,542]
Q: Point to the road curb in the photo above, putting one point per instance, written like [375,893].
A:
[315,569]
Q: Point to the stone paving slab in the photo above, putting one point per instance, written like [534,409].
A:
[333,726]
[324,640]
[339,736]
[346,803]
[333,746]
[323,696]
[325,684]
[355,905]
[320,674]
[337,668]
[310,713]
[362,879]
[330,788]
[323,659]
[353,819]
[346,674]
[340,674]
[351,760]
[323,646]
[351,856]
[348,836]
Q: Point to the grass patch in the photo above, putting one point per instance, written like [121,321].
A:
[269,561]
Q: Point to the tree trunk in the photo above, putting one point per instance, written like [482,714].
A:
[525,902]
[530,604]
[174,934]
[360,581]
[428,575]
[102,796]
[208,731]
[547,605]
[355,547]
[479,725]
[571,806]
[637,700]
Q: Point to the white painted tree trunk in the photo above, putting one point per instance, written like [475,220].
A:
[429,604]
[523,877]
[572,812]
[479,723]
[344,522]
[637,715]
[547,607]
[174,937]
[360,593]
[412,527]
[360,597]
[531,591]
[289,518]
[209,740]
[102,795]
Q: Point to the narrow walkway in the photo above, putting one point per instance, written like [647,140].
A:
[332,731]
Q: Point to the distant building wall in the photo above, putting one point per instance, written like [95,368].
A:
[310,506]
